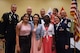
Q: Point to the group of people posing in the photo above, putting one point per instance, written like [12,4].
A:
[36,34]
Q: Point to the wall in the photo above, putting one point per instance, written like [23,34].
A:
[35,4]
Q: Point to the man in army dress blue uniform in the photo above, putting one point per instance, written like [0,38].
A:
[10,20]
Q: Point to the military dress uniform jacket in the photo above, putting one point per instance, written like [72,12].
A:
[9,23]
[62,37]
[62,33]
[67,22]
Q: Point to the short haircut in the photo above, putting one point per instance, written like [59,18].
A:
[55,9]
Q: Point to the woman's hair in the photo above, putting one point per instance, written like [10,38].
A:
[38,17]
[56,9]
[46,16]
[24,16]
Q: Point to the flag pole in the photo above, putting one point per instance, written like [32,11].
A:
[74,37]
[75,16]
[75,29]
[74,46]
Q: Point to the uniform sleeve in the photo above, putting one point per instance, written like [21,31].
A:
[1,31]
[67,37]
[4,23]
[68,25]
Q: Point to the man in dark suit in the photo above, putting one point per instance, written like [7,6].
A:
[55,11]
[10,21]
[61,36]
[29,12]
[42,14]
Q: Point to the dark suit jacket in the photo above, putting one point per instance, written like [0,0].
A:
[30,18]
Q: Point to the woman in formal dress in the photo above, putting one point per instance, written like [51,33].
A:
[48,40]
[23,35]
[37,33]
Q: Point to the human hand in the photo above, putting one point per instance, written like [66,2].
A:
[53,47]
[3,40]
[18,49]
[66,47]
[39,47]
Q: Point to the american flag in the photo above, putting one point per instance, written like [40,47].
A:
[73,10]
[74,13]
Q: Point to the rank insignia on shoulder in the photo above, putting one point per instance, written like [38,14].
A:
[69,24]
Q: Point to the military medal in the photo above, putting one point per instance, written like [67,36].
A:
[10,19]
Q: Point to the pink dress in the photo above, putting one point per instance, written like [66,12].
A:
[35,43]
